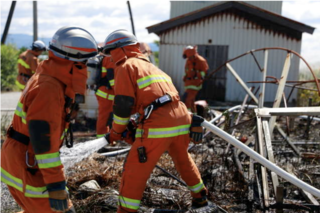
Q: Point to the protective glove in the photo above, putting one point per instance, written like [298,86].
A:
[129,136]
[58,196]
[196,131]
[112,137]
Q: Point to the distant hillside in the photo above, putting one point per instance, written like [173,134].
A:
[24,40]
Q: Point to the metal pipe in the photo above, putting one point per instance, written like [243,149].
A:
[115,153]
[6,29]
[237,77]
[270,48]
[131,19]
[231,110]
[35,21]
[295,181]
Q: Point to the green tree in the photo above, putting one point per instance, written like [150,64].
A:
[156,53]
[9,70]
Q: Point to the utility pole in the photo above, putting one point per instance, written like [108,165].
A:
[6,29]
[35,21]
[132,24]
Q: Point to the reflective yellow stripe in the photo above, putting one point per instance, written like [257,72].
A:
[110,97]
[146,81]
[104,70]
[63,133]
[48,160]
[19,112]
[193,87]
[11,180]
[203,73]
[100,136]
[101,94]
[120,121]
[20,86]
[139,133]
[197,188]
[23,63]
[40,192]
[167,132]
[111,82]
[129,203]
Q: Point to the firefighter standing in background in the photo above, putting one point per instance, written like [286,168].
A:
[30,158]
[195,70]
[102,76]
[164,123]
[28,62]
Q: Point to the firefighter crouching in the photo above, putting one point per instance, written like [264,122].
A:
[101,70]
[195,70]
[30,159]
[142,88]
[28,62]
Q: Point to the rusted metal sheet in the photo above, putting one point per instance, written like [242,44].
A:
[182,7]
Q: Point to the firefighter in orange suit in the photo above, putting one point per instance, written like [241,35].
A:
[101,70]
[142,88]
[30,159]
[195,70]
[28,62]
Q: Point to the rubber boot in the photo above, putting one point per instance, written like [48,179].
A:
[200,202]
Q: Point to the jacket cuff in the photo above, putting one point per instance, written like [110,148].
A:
[57,186]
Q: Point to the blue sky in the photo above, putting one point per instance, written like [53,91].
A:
[102,17]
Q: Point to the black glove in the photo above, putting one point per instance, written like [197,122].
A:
[196,131]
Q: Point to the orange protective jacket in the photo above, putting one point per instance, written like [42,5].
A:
[105,97]
[40,115]
[27,65]
[195,71]
[103,91]
[137,84]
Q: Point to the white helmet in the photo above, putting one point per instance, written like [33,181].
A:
[118,38]
[74,44]
[38,45]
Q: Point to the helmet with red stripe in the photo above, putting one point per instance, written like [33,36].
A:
[74,44]
[118,38]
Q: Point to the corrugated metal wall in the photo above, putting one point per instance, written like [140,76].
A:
[241,36]
[182,7]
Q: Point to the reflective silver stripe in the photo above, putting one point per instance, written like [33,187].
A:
[10,180]
[49,160]
[146,81]
[14,183]
[168,132]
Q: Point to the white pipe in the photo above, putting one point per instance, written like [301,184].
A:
[114,153]
[232,109]
[263,161]
[306,117]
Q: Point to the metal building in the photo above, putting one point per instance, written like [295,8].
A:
[224,30]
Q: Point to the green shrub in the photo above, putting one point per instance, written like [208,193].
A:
[9,70]
[305,95]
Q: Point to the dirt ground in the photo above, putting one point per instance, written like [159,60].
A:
[228,186]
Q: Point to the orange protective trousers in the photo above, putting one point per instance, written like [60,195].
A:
[136,174]
[190,99]
[14,162]
[104,112]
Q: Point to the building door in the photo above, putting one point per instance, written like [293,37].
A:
[214,88]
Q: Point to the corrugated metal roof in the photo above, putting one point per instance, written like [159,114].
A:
[263,17]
